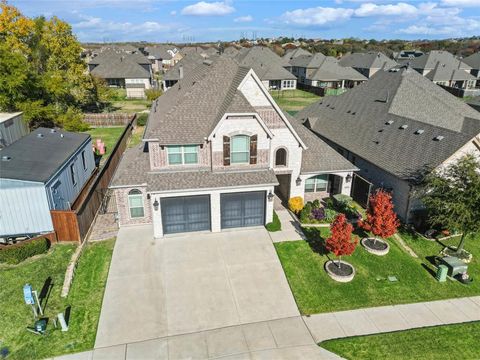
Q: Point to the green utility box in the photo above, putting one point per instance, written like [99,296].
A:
[455,265]
[442,272]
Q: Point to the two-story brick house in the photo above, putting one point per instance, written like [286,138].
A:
[215,149]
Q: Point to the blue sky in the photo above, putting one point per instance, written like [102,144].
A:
[175,20]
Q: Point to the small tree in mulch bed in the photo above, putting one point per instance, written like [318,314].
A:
[340,241]
[381,219]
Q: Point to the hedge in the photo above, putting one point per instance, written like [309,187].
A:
[142,119]
[275,225]
[15,254]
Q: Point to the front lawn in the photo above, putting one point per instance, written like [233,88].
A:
[458,341]
[315,291]
[293,101]
[84,299]
[109,135]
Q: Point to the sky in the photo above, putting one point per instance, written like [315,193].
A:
[197,21]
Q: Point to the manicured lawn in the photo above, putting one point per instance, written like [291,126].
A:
[315,292]
[124,105]
[109,135]
[439,342]
[84,299]
[293,101]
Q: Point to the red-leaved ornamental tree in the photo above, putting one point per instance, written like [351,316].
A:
[381,219]
[340,241]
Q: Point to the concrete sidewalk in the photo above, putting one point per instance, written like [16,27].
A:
[286,339]
[392,318]
[291,230]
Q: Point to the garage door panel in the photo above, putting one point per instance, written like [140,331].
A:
[243,209]
[185,214]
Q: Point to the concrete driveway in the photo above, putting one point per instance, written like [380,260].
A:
[190,283]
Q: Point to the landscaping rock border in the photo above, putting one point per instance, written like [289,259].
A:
[337,277]
[378,252]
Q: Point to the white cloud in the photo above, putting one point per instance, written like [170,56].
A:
[456,26]
[461,3]
[426,30]
[203,8]
[241,19]
[399,9]
[173,13]
[316,16]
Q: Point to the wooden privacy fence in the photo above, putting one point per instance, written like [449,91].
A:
[108,119]
[74,224]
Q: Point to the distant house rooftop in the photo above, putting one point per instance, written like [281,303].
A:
[40,154]
[369,60]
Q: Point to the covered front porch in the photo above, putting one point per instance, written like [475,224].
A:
[313,186]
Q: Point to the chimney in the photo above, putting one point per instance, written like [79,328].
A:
[180,71]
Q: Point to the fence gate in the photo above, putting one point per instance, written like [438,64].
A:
[361,190]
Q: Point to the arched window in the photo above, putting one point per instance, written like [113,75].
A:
[135,203]
[281,157]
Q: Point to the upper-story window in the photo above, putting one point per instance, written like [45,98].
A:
[281,157]
[72,174]
[240,149]
[84,160]
[182,155]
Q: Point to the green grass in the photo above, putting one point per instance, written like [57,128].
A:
[458,341]
[293,101]
[109,136]
[85,299]
[275,225]
[120,103]
[315,292]
[137,135]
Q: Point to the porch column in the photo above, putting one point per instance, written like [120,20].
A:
[156,217]
[215,214]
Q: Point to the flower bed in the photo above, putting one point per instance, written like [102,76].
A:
[314,213]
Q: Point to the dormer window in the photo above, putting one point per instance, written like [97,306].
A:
[182,155]
[240,149]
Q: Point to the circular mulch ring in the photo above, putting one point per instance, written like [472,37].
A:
[375,246]
[340,270]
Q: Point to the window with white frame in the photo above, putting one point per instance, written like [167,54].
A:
[182,155]
[288,84]
[135,203]
[240,149]
[317,183]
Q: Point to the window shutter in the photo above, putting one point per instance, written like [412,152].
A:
[226,151]
[253,149]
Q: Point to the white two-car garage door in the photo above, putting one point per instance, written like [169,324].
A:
[242,209]
[186,213]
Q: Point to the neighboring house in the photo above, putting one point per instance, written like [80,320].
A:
[205,52]
[405,56]
[188,63]
[474,103]
[12,128]
[125,72]
[268,67]
[446,70]
[292,54]
[44,170]
[324,72]
[216,147]
[163,56]
[231,51]
[474,62]
[367,63]
[396,127]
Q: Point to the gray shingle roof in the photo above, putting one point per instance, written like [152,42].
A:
[266,64]
[406,98]
[292,54]
[161,51]
[369,60]
[109,56]
[189,111]
[34,158]
[189,62]
[308,61]
[473,60]
[430,60]
[443,72]
[319,156]
[120,68]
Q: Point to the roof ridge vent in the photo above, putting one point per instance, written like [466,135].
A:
[389,122]
[53,131]
[6,158]
[419,131]
[438,138]
[39,135]
[403,127]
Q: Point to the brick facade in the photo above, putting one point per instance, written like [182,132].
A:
[124,218]
[270,117]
